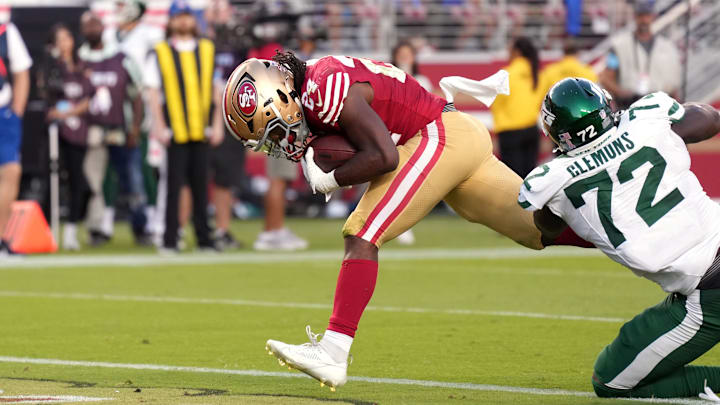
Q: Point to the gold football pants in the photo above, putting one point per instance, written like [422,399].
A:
[451,159]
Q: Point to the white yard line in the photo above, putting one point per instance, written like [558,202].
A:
[300,305]
[278,374]
[131,260]
[49,399]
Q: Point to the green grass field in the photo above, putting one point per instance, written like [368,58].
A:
[462,306]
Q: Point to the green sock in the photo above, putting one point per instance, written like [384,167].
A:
[687,381]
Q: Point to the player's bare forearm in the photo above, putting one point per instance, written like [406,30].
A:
[700,122]
[549,224]
[363,167]
[376,152]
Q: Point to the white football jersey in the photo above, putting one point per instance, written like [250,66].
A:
[633,196]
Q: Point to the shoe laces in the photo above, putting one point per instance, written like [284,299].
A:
[312,336]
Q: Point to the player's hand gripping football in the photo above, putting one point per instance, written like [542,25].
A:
[320,182]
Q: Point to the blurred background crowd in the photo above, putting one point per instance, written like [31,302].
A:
[107,77]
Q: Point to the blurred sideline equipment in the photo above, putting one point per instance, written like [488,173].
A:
[27,230]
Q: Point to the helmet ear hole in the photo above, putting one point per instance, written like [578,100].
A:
[282,96]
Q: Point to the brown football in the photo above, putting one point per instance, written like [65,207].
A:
[332,151]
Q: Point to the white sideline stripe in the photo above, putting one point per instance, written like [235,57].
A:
[279,374]
[299,305]
[130,260]
[49,399]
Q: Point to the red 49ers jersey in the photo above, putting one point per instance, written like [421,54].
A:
[403,105]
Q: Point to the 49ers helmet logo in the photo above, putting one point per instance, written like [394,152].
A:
[247,98]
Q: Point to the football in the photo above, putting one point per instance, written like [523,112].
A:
[332,151]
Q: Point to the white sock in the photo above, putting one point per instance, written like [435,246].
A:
[108,221]
[339,347]
[70,230]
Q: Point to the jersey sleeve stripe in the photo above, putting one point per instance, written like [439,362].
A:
[336,96]
[328,91]
[346,86]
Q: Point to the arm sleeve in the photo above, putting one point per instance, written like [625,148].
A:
[17,51]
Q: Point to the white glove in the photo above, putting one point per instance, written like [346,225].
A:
[320,182]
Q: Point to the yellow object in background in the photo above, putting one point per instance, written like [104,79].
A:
[569,66]
[520,109]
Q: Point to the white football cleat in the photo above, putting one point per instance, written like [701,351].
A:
[310,358]
[279,239]
[709,395]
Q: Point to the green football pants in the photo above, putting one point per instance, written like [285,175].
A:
[650,355]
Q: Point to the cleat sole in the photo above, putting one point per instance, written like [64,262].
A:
[284,363]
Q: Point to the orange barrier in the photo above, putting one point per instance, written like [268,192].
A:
[27,230]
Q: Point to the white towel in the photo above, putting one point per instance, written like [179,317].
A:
[484,90]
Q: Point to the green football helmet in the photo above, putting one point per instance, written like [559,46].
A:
[576,112]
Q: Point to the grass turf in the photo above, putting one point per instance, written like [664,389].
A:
[508,349]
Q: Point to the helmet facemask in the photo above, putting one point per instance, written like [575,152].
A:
[281,140]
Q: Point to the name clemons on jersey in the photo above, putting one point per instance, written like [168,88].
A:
[635,198]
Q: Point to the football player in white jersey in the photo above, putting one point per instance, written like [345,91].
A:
[623,182]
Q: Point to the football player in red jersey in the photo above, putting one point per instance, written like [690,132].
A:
[413,147]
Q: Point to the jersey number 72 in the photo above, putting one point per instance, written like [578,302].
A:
[604,184]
